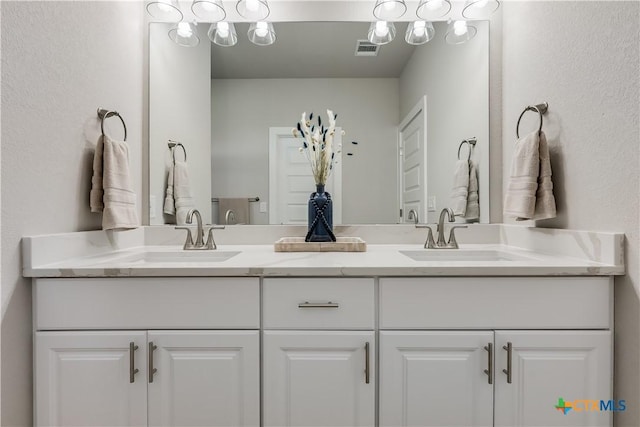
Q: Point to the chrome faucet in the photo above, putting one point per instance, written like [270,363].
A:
[441,243]
[199,243]
[229,216]
[413,215]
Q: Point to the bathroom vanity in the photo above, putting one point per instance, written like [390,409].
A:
[129,330]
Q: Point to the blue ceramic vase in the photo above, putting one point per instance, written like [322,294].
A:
[320,217]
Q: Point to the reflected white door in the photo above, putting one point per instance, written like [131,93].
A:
[318,378]
[84,379]
[413,162]
[291,181]
[435,378]
[205,378]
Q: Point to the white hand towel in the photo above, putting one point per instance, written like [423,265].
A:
[460,190]
[523,188]
[119,199]
[97,191]
[182,192]
[169,200]
[473,205]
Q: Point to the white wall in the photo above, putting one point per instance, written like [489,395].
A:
[60,62]
[583,58]
[455,79]
[367,110]
[179,110]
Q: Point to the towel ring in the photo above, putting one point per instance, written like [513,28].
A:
[471,142]
[105,114]
[538,108]
[173,144]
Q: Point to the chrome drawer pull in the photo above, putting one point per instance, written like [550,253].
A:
[489,370]
[366,363]
[509,349]
[132,362]
[308,304]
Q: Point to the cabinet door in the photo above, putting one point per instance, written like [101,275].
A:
[550,365]
[205,378]
[84,379]
[317,378]
[435,378]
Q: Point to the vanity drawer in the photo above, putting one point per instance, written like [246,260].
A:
[332,303]
[147,303]
[496,303]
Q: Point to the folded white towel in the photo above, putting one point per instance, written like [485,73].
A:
[182,191]
[169,200]
[97,192]
[473,204]
[530,178]
[119,199]
[460,190]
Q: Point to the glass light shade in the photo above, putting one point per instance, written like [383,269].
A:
[165,10]
[388,10]
[433,9]
[223,34]
[208,10]
[381,32]
[253,10]
[419,32]
[185,34]
[480,9]
[459,32]
[261,33]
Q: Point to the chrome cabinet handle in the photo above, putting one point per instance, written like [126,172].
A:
[507,371]
[308,304]
[366,363]
[489,370]
[132,361]
[152,370]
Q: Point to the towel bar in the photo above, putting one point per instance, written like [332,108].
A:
[538,108]
[105,114]
[251,199]
[471,142]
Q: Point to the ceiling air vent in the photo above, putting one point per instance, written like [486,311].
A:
[366,48]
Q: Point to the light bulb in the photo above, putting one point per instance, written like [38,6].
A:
[184,30]
[460,28]
[434,4]
[382,29]
[208,6]
[419,28]
[262,29]
[223,29]
[253,5]
[390,5]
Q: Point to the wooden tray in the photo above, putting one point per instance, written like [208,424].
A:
[343,244]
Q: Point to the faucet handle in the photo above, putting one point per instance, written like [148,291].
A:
[211,244]
[188,244]
[430,243]
[452,237]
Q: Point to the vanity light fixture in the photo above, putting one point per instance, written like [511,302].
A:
[433,9]
[208,10]
[459,32]
[381,32]
[419,32]
[223,34]
[165,10]
[480,9]
[185,34]
[253,10]
[388,10]
[261,33]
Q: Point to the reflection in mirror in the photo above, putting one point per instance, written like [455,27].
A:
[404,110]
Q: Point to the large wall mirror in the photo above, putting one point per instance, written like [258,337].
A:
[404,112]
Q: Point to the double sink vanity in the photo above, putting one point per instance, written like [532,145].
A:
[132,330]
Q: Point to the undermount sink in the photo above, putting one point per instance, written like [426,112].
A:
[461,255]
[161,257]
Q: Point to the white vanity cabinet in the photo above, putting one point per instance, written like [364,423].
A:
[319,352]
[87,373]
[473,372]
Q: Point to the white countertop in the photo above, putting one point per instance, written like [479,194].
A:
[261,260]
